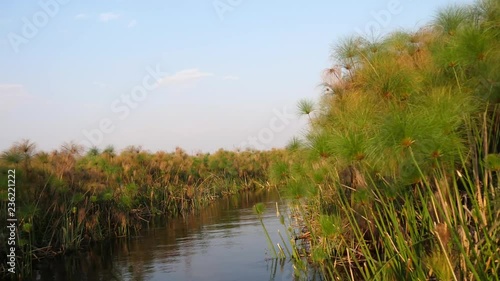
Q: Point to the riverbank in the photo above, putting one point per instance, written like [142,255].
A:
[66,199]
[398,176]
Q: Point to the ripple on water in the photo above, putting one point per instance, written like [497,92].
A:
[223,242]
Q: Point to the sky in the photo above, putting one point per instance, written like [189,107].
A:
[200,75]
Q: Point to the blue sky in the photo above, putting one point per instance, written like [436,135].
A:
[197,74]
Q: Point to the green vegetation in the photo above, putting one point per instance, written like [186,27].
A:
[66,199]
[398,177]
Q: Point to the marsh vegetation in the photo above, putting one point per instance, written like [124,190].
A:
[69,197]
[398,176]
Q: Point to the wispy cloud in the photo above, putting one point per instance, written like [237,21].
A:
[91,105]
[12,95]
[230,77]
[10,87]
[81,16]
[132,23]
[101,85]
[105,17]
[184,76]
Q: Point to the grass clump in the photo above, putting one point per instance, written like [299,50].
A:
[399,172]
[68,198]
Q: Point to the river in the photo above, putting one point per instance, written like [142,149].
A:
[223,242]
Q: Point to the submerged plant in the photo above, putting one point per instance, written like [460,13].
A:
[259,209]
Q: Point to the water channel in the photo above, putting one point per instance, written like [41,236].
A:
[223,242]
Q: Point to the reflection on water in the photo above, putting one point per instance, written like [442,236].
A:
[223,242]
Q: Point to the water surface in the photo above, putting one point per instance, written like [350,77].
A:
[223,242]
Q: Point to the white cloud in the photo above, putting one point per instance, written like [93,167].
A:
[12,95]
[108,16]
[81,16]
[101,85]
[132,23]
[10,87]
[91,105]
[230,77]
[184,76]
